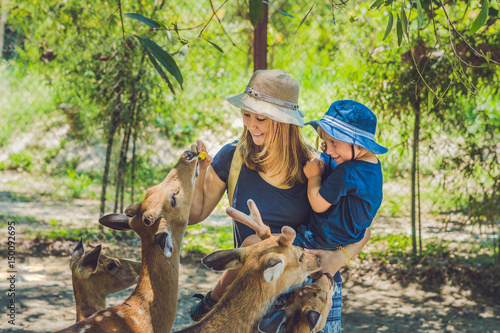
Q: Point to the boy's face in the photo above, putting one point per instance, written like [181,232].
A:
[338,150]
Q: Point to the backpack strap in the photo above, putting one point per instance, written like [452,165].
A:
[234,174]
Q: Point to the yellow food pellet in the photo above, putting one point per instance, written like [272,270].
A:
[202,155]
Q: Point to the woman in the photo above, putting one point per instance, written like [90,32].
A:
[274,154]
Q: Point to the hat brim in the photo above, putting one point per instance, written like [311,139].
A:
[342,135]
[275,112]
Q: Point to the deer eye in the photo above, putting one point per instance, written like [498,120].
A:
[173,201]
[146,220]
[301,257]
[112,266]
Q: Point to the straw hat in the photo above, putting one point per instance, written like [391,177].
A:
[272,93]
[351,122]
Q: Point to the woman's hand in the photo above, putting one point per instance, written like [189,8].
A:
[331,261]
[314,167]
[197,148]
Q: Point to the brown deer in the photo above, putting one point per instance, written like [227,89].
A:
[268,268]
[96,276]
[160,221]
[305,310]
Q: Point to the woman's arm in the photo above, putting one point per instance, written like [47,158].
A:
[332,261]
[208,189]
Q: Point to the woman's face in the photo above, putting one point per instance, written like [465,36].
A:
[338,150]
[256,125]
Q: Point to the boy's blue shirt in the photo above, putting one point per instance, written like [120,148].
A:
[354,188]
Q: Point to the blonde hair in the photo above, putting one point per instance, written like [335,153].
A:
[283,154]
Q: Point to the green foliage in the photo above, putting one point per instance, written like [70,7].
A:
[77,184]
[23,161]
[396,249]
[206,239]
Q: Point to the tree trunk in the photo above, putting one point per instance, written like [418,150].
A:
[122,169]
[416,134]
[260,41]
[3,21]
[112,130]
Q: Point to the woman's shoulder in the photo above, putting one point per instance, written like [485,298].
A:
[222,160]
[227,151]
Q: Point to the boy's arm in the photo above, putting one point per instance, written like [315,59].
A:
[318,204]
[314,170]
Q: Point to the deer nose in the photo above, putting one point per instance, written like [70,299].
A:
[190,154]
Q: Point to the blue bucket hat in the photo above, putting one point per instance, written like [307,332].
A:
[351,122]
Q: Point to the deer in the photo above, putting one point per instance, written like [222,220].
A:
[96,276]
[160,220]
[268,268]
[305,310]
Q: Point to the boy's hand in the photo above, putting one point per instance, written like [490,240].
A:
[314,167]
[199,147]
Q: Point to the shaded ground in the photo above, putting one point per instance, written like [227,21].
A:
[44,298]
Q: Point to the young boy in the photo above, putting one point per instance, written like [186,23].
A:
[347,201]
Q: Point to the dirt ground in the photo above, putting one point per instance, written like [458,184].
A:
[44,297]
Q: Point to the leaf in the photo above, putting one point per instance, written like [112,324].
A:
[146,20]
[404,21]
[399,30]
[256,8]
[160,70]
[214,45]
[481,18]
[488,57]
[163,57]
[420,13]
[430,100]
[389,26]
[307,14]
[377,4]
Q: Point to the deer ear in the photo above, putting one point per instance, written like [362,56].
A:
[88,265]
[115,221]
[274,268]
[78,252]
[272,321]
[314,319]
[287,236]
[223,259]
[132,209]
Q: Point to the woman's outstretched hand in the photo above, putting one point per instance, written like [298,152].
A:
[331,260]
[199,147]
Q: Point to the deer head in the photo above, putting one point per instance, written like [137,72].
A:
[96,276]
[162,216]
[305,311]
